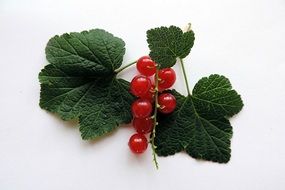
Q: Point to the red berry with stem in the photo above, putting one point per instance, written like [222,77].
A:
[166,77]
[140,85]
[167,103]
[138,143]
[150,94]
[143,125]
[141,108]
[146,66]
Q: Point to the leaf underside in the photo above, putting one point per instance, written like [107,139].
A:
[80,81]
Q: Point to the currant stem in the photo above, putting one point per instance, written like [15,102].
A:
[188,27]
[185,76]
[126,66]
[153,147]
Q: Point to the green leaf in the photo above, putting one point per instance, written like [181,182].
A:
[199,131]
[88,52]
[215,95]
[166,44]
[80,81]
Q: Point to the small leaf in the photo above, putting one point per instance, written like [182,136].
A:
[166,44]
[196,128]
[80,81]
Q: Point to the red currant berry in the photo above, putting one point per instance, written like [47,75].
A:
[150,94]
[141,108]
[138,143]
[146,66]
[143,125]
[167,103]
[167,78]
[140,85]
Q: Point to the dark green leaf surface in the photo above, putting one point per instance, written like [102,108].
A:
[73,86]
[214,94]
[89,52]
[201,132]
[166,44]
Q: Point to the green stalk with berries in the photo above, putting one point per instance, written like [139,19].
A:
[145,119]
[156,105]
[80,82]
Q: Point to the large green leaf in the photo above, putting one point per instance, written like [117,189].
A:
[80,81]
[199,131]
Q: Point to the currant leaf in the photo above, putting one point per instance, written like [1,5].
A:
[88,52]
[80,81]
[166,44]
[200,131]
[214,95]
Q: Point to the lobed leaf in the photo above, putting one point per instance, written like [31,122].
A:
[80,81]
[200,128]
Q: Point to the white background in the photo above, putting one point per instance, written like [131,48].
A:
[242,39]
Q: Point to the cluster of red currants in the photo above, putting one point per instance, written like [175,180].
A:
[142,87]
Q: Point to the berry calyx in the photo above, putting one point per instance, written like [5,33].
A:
[138,143]
[141,108]
[167,103]
[146,66]
[167,78]
[140,85]
[143,125]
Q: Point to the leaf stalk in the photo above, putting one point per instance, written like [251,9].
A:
[185,76]
[126,66]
